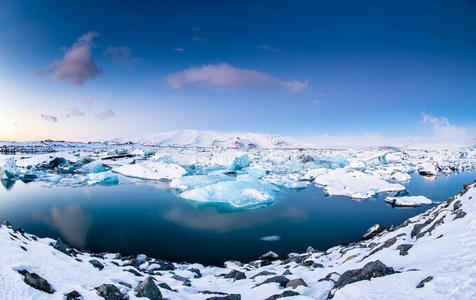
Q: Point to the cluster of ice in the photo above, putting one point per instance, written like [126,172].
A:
[239,177]
[430,256]
[408,200]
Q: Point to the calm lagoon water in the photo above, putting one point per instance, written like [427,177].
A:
[145,217]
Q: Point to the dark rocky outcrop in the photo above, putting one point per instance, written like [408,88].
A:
[37,282]
[404,248]
[263,273]
[280,279]
[73,296]
[370,270]
[236,275]
[422,283]
[227,297]
[109,292]
[148,289]
[294,283]
[96,264]
[283,294]
[373,231]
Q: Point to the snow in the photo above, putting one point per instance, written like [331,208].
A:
[354,184]
[408,200]
[444,249]
[151,170]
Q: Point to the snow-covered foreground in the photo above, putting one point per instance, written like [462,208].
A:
[430,256]
[240,178]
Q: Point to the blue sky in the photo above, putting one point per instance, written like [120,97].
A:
[92,69]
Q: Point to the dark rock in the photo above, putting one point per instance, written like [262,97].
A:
[109,292]
[263,273]
[96,264]
[310,250]
[73,296]
[370,270]
[180,278]
[271,256]
[37,282]
[282,280]
[133,272]
[236,275]
[294,283]
[404,248]
[318,265]
[283,294]
[308,263]
[197,272]
[373,231]
[165,265]
[127,285]
[60,246]
[287,272]
[460,215]
[227,297]
[416,229]
[148,289]
[165,286]
[422,283]
[210,292]
[457,205]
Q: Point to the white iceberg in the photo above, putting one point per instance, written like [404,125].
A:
[408,200]
[151,170]
[106,178]
[428,169]
[354,184]
[244,191]
[196,181]
[8,169]
[93,167]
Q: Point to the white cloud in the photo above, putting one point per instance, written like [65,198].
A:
[49,118]
[269,48]
[122,56]
[226,76]
[105,114]
[443,130]
[74,112]
[77,65]
[179,49]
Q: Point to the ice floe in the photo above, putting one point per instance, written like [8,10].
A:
[408,200]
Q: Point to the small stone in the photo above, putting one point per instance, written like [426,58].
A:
[236,275]
[197,272]
[404,248]
[422,283]
[460,215]
[148,289]
[37,282]
[262,273]
[283,294]
[373,231]
[269,256]
[227,297]
[457,205]
[282,280]
[96,264]
[73,296]
[287,272]
[109,292]
[294,283]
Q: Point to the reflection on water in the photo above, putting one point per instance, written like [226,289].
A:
[145,217]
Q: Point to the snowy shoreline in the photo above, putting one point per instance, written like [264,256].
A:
[430,255]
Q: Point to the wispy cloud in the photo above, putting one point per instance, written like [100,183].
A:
[195,28]
[105,114]
[122,56]
[226,76]
[198,39]
[269,48]
[443,129]
[179,49]
[77,65]
[49,118]
[74,112]
[89,102]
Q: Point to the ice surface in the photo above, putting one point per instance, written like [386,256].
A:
[93,167]
[151,170]
[196,181]
[8,168]
[106,178]
[408,200]
[243,191]
[354,184]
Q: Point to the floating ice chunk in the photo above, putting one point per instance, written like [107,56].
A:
[428,169]
[106,178]
[241,162]
[93,167]
[244,191]
[358,165]
[354,184]
[256,172]
[196,181]
[313,173]
[270,238]
[398,176]
[151,170]
[8,169]
[408,200]
[288,180]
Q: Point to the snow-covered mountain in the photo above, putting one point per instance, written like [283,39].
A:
[204,138]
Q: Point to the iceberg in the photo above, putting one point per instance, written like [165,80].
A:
[105,178]
[427,169]
[151,170]
[354,184]
[8,169]
[197,181]
[412,201]
[242,192]
[93,167]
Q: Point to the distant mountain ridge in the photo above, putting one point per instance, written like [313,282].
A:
[205,138]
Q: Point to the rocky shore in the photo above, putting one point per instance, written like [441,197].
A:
[429,256]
